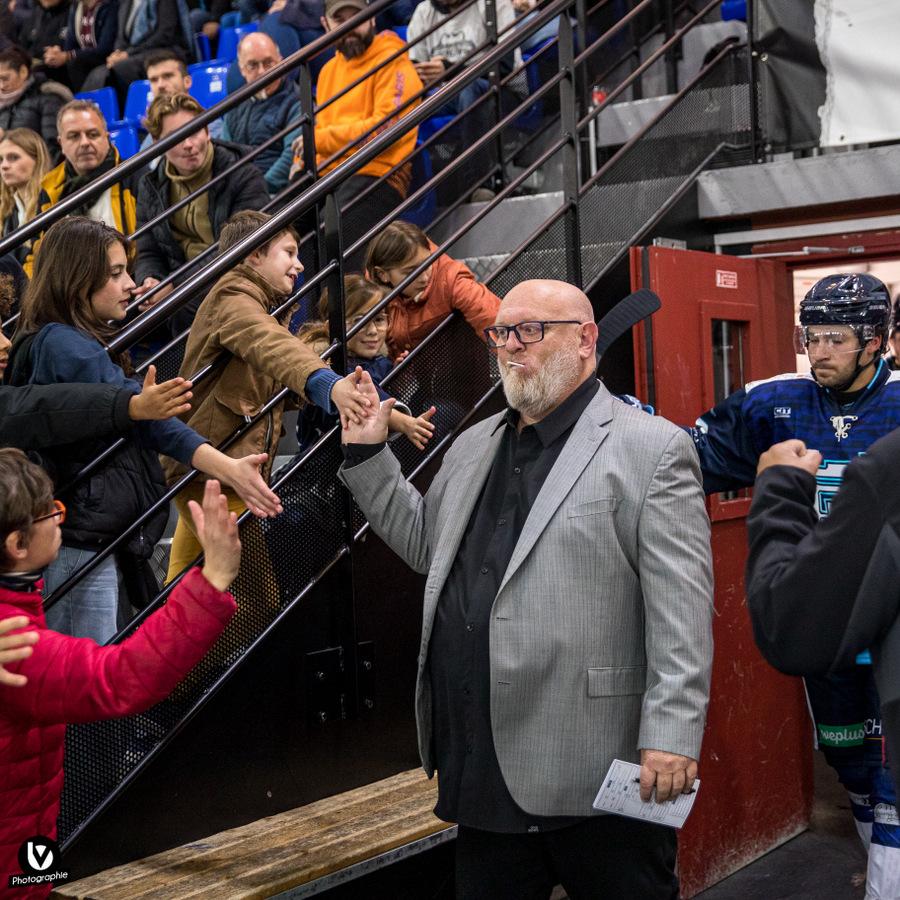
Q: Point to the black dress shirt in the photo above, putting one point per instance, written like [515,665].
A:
[472,791]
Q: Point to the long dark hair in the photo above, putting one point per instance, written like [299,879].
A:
[70,266]
[394,246]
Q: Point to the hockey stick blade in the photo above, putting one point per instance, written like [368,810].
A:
[624,316]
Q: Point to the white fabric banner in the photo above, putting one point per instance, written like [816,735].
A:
[858,43]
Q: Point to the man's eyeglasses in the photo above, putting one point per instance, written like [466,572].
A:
[58,510]
[525,332]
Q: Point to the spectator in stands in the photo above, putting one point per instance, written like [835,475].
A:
[364,111]
[444,286]
[90,38]
[27,100]
[14,647]
[81,285]
[71,681]
[455,41]
[269,111]
[188,231]
[87,154]
[366,349]
[144,26]
[293,24]
[45,27]
[167,73]
[262,357]
[24,161]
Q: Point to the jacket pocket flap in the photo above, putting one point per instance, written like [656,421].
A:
[592,507]
[613,681]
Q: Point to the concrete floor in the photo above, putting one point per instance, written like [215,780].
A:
[825,863]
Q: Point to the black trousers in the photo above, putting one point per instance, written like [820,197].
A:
[602,858]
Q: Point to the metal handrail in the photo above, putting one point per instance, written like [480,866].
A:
[272,228]
[142,157]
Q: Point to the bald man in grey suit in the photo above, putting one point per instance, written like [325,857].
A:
[567,616]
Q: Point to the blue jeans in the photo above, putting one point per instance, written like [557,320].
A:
[89,609]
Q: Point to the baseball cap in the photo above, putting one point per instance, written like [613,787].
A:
[332,6]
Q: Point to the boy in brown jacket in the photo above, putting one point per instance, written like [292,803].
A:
[234,318]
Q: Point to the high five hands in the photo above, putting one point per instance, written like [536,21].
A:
[373,427]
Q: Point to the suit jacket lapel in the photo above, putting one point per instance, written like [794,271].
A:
[586,437]
[459,500]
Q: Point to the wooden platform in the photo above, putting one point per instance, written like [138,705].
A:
[280,852]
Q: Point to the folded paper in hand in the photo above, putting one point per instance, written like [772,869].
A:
[621,794]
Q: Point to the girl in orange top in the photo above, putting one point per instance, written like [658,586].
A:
[436,292]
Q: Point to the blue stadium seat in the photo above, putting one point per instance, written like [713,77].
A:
[422,214]
[734,9]
[229,38]
[136,102]
[400,31]
[204,50]
[125,139]
[208,83]
[531,118]
[230,20]
[432,125]
[105,98]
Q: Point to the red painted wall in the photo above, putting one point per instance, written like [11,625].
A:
[756,764]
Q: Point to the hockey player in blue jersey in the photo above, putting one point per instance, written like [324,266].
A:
[848,401]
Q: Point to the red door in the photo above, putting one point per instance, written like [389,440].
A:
[726,321]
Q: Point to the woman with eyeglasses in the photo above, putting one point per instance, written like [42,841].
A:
[80,288]
[366,349]
[440,288]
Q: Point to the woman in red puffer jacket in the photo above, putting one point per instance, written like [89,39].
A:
[73,679]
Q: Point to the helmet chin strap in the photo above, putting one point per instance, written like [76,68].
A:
[843,388]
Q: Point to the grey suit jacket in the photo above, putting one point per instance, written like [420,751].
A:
[600,633]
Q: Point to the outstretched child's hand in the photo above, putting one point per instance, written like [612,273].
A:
[14,647]
[217,532]
[352,404]
[419,430]
[160,401]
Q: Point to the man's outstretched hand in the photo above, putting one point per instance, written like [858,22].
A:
[374,428]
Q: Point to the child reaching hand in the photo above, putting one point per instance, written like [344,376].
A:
[72,680]
[366,349]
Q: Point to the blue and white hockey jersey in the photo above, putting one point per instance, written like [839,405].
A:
[731,437]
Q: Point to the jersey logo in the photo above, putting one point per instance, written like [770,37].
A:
[782,412]
[841,425]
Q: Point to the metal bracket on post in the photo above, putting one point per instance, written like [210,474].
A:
[308,105]
[334,250]
[671,53]
[490,15]
[582,80]
[637,86]
[753,86]
[569,126]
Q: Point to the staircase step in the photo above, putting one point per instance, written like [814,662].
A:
[281,852]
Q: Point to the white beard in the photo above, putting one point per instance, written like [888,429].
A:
[536,394]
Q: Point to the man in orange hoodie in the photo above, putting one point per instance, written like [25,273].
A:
[359,111]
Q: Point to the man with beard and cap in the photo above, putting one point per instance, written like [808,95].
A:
[272,109]
[87,154]
[849,400]
[567,612]
[369,105]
